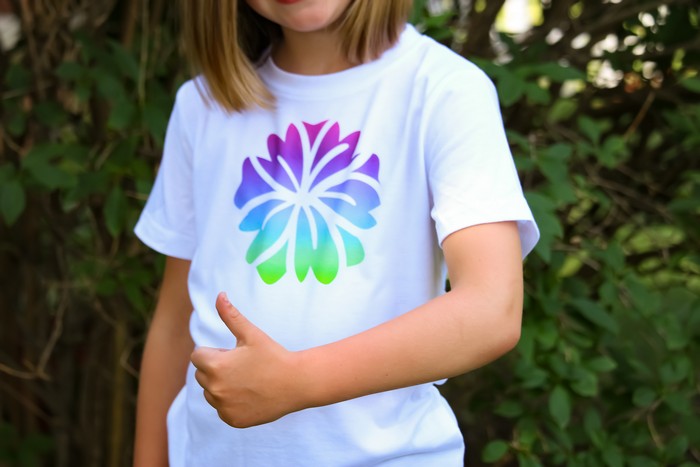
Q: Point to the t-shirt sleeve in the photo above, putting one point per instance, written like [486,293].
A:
[166,223]
[471,173]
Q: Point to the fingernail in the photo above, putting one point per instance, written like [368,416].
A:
[225,298]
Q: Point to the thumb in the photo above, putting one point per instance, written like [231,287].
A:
[244,330]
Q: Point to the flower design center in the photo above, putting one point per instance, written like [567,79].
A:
[308,202]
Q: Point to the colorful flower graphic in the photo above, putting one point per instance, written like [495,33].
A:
[308,202]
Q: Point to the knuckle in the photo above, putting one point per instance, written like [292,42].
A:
[215,365]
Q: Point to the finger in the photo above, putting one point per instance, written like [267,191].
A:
[234,320]
[210,399]
[202,379]
[204,357]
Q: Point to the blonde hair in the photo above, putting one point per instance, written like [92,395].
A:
[210,27]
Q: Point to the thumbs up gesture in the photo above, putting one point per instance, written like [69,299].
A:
[257,382]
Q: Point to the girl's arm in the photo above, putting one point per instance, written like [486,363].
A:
[475,323]
[164,365]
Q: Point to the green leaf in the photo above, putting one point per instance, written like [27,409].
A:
[526,345]
[16,121]
[590,128]
[547,334]
[553,163]
[115,211]
[561,151]
[124,60]
[70,71]
[643,397]
[42,154]
[679,402]
[677,336]
[555,169]
[511,88]
[544,211]
[691,84]
[418,12]
[533,377]
[528,460]
[585,382]
[106,286]
[676,449]
[601,364]
[676,370]
[593,426]
[494,451]
[614,256]
[560,406]
[156,120]
[108,85]
[52,177]
[12,201]
[536,94]
[642,461]
[526,432]
[558,365]
[613,151]
[39,163]
[559,73]
[612,456]
[509,409]
[562,109]
[7,172]
[596,314]
[121,115]
[18,77]
[490,68]
[50,113]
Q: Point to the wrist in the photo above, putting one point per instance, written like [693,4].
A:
[310,383]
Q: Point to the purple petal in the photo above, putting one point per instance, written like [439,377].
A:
[313,130]
[252,185]
[371,167]
[341,161]
[290,150]
[330,140]
[277,172]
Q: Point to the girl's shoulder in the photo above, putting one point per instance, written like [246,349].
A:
[444,68]
[191,96]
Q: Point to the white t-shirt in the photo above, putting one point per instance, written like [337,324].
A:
[323,218]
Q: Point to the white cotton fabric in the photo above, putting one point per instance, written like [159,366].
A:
[431,119]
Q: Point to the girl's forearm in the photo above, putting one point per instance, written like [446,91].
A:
[163,370]
[163,366]
[450,335]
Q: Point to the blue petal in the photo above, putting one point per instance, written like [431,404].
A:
[257,216]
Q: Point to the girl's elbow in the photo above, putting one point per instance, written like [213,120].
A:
[511,336]
[510,330]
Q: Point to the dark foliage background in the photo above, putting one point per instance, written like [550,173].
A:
[602,103]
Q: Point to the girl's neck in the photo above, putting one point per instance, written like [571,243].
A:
[310,53]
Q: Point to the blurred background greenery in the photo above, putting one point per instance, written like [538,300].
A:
[601,100]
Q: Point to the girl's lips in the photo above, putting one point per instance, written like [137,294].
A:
[287,2]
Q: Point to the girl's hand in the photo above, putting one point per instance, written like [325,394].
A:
[255,383]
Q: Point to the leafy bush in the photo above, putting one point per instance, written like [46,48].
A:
[606,369]
[604,134]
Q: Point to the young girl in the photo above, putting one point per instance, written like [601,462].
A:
[321,170]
